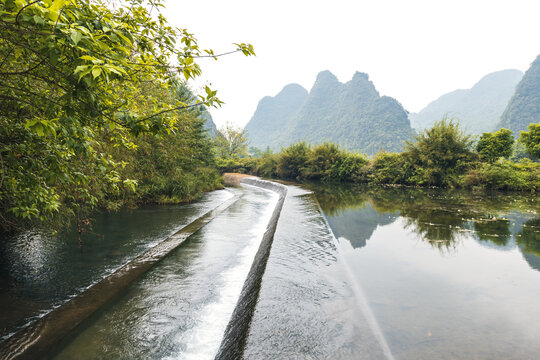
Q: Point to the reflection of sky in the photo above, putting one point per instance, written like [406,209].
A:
[465,301]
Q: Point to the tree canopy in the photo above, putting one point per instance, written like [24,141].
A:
[440,152]
[78,75]
[492,146]
[531,140]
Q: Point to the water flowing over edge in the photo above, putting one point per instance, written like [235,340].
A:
[41,336]
[236,333]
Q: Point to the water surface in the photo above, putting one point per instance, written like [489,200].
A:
[180,308]
[39,271]
[444,274]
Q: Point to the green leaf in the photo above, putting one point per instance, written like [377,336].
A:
[38,20]
[87,57]
[54,9]
[76,36]
[96,72]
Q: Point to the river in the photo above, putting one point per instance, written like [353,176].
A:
[353,273]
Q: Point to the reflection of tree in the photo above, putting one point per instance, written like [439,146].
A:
[439,227]
[529,237]
[496,231]
[336,198]
[437,216]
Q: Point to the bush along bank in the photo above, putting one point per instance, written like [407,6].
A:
[443,156]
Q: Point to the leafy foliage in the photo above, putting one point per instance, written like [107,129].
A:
[291,163]
[440,153]
[505,175]
[492,146]
[531,140]
[80,78]
[231,142]
[441,156]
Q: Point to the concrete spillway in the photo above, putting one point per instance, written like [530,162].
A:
[257,277]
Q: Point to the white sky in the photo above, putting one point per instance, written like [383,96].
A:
[413,50]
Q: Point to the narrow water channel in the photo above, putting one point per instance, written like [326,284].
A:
[179,309]
[40,271]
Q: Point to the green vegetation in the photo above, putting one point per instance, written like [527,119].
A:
[93,102]
[442,156]
[531,140]
[352,115]
[492,146]
[524,107]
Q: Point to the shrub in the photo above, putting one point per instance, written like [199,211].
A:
[292,161]
[523,176]
[492,146]
[440,154]
[390,168]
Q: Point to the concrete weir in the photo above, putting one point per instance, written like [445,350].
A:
[236,333]
[37,340]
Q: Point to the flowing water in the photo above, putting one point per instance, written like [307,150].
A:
[354,273]
[40,271]
[180,308]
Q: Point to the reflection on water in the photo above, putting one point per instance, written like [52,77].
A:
[447,274]
[40,271]
[180,308]
[306,310]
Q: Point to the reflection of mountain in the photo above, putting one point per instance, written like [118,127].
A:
[358,225]
[532,260]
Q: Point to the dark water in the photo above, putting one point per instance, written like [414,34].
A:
[442,274]
[39,271]
[180,308]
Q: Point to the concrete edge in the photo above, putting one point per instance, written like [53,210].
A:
[237,331]
[37,340]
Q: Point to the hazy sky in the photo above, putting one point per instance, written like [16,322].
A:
[413,50]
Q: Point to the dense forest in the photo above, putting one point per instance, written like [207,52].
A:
[352,115]
[95,111]
[479,108]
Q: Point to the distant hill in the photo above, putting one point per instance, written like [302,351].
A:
[524,107]
[265,129]
[209,124]
[478,108]
[352,115]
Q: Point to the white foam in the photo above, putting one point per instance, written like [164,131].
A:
[203,340]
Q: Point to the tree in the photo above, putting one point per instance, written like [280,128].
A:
[531,140]
[76,73]
[293,160]
[492,146]
[439,152]
[231,142]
